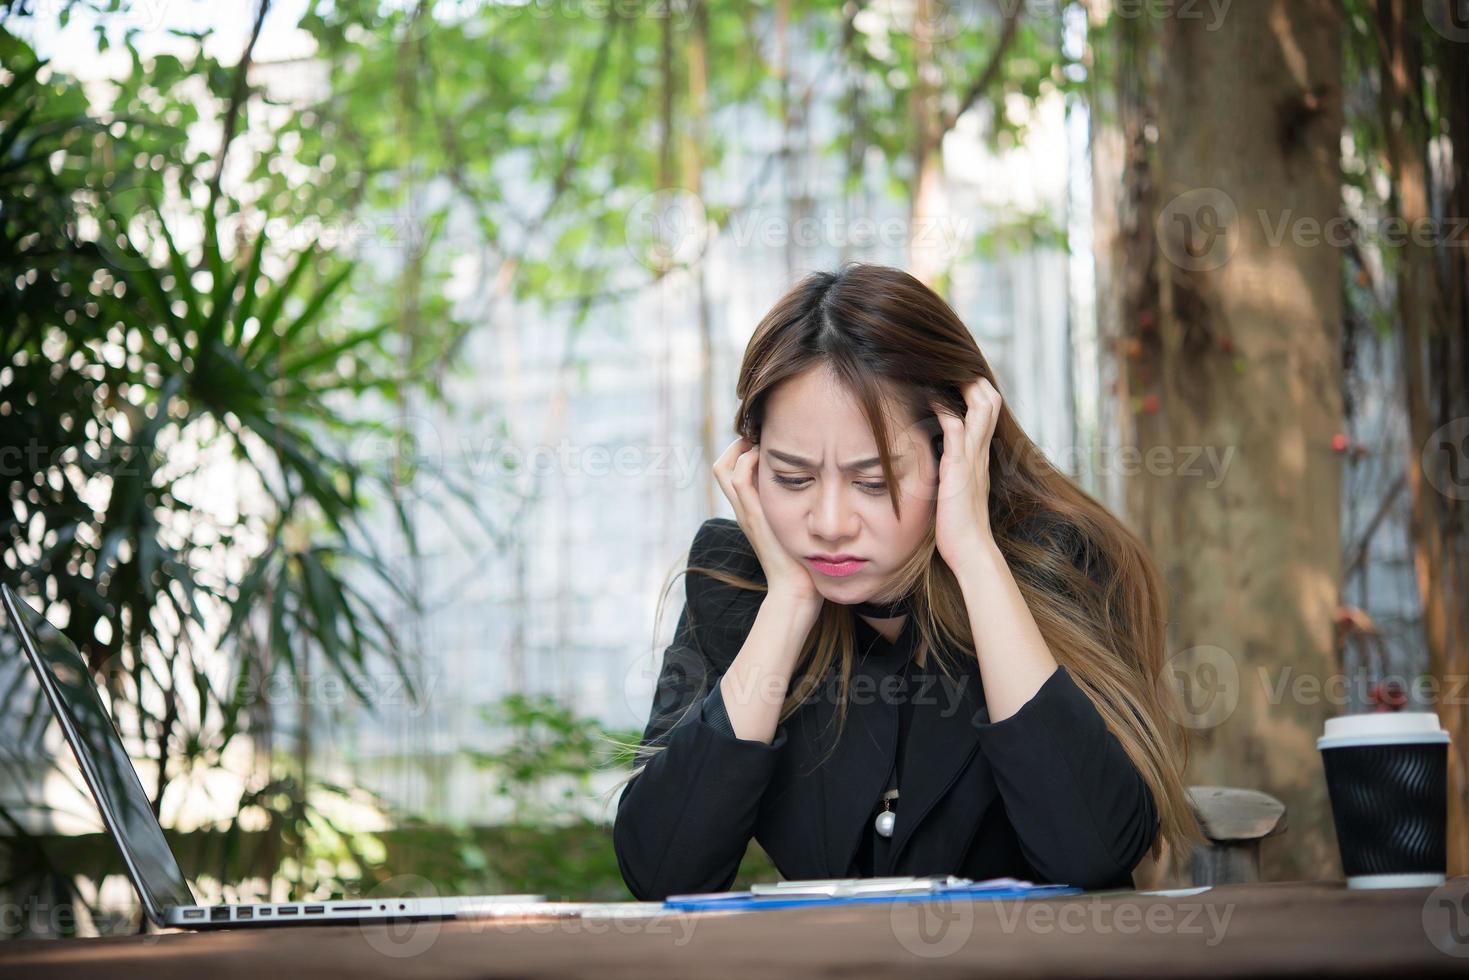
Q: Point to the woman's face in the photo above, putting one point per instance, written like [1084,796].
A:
[823,492]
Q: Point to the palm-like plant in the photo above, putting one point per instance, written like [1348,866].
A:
[135,370]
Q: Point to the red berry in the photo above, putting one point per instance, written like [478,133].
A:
[1339,442]
[1151,403]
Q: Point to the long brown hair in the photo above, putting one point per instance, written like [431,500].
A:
[1094,590]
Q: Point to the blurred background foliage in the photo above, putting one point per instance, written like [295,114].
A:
[141,357]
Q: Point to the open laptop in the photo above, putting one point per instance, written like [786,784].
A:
[150,862]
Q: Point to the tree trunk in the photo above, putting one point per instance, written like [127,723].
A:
[1119,90]
[1435,345]
[924,262]
[1242,359]
[696,140]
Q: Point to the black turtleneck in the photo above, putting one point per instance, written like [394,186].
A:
[879,610]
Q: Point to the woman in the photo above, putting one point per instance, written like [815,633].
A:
[919,648]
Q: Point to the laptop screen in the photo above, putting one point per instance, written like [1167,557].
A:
[102,757]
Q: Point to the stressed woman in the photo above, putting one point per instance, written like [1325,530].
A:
[919,648]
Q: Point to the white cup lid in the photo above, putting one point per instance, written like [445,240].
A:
[1409,725]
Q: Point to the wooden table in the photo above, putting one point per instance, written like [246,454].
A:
[1295,928]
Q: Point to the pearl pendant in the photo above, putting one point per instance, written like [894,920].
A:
[885,821]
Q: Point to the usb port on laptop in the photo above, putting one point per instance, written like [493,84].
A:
[287,910]
[244,913]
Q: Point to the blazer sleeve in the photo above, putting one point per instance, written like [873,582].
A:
[684,822]
[1082,812]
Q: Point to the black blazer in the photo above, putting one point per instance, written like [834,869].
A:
[1047,794]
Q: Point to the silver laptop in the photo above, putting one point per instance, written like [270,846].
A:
[150,862]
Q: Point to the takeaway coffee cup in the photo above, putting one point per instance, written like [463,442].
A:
[1387,774]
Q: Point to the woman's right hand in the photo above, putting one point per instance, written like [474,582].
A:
[737,471]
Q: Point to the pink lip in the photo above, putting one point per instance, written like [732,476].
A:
[844,566]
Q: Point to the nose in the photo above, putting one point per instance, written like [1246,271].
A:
[832,518]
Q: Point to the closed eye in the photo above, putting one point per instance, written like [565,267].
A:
[795,483]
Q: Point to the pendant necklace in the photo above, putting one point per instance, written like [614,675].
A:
[887,818]
[884,822]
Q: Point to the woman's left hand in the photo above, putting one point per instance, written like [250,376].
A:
[962,517]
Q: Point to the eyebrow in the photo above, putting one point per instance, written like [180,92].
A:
[856,464]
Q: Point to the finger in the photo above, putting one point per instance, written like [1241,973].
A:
[955,453]
[731,453]
[724,474]
[992,395]
[975,416]
[986,414]
[744,474]
[722,478]
[952,426]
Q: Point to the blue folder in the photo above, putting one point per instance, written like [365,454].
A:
[745,902]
